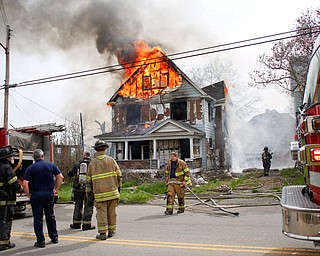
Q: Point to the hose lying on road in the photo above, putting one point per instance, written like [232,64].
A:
[213,205]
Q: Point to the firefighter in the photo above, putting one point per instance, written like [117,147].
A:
[178,177]
[9,186]
[266,161]
[82,202]
[105,180]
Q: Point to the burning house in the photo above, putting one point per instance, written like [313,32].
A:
[158,109]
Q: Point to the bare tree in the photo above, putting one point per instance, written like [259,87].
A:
[287,67]
[241,100]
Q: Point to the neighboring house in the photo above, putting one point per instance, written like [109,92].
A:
[272,129]
[158,110]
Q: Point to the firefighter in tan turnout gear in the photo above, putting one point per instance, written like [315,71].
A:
[178,177]
[105,180]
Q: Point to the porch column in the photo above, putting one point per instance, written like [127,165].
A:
[154,149]
[126,150]
[191,148]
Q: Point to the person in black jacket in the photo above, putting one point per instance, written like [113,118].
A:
[82,202]
[9,186]
[266,161]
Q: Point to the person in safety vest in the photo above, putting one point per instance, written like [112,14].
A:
[9,186]
[105,180]
[177,178]
[266,161]
[82,201]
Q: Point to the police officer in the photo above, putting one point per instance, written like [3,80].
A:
[40,188]
[266,161]
[178,177]
[82,202]
[104,179]
[9,185]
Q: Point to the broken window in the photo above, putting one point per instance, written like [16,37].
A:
[196,147]
[133,114]
[179,110]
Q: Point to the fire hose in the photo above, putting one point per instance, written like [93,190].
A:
[213,205]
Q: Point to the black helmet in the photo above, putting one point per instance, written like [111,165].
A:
[100,145]
[265,149]
[6,151]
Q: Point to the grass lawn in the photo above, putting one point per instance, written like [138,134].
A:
[136,192]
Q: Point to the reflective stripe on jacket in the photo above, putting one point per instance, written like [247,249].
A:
[182,171]
[103,178]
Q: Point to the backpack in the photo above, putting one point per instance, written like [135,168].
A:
[82,173]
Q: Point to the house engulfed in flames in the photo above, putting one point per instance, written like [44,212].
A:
[158,109]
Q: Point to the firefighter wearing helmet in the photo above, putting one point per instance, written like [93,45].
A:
[266,161]
[104,179]
[9,185]
[178,177]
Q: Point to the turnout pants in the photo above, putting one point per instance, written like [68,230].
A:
[266,168]
[42,201]
[82,202]
[172,190]
[6,217]
[106,215]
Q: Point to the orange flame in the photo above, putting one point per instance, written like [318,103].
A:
[149,74]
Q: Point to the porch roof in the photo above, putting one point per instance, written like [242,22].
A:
[164,130]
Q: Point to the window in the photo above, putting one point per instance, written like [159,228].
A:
[179,110]
[211,112]
[196,147]
[133,114]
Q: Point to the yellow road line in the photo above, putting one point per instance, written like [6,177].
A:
[189,246]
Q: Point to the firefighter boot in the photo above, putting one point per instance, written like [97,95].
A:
[101,236]
[111,233]
[7,246]
[87,227]
[168,211]
[181,205]
[75,226]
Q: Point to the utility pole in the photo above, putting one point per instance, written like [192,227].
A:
[6,83]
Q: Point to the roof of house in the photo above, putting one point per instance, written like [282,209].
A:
[216,91]
[175,67]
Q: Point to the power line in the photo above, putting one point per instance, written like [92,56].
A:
[64,118]
[3,14]
[24,116]
[188,54]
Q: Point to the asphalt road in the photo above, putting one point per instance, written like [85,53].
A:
[145,230]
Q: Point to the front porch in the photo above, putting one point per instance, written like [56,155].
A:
[149,148]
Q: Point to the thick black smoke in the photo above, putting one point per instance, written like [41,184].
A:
[114,25]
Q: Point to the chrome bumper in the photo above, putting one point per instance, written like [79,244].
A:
[300,216]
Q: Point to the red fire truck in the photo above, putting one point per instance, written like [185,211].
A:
[26,140]
[301,204]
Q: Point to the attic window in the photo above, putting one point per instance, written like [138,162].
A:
[156,81]
[179,110]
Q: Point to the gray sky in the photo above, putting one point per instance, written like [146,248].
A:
[58,37]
